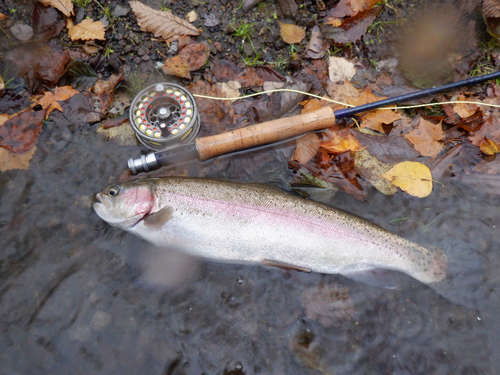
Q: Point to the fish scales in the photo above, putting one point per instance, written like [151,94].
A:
[252,223]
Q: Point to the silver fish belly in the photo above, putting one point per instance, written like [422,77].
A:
[251,223]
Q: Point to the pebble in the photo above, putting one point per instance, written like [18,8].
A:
[120,11]
[22,31]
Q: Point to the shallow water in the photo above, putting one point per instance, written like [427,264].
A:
[71,300]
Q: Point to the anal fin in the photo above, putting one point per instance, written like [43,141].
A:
[378,277]
[284,265]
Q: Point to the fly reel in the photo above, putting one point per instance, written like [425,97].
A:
[164,115]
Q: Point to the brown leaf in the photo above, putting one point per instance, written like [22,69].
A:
[64,6]
[162,23]
[375,119]
[488,146]
[2,85]
[349,8]
[10,160]
[317,46]
[2,16]
[490,129]
[425,138]
[291,33]
[464,110]
[191,57]
[307,147]
[50,99]
[364,98]
[86,30]
[352,28]
[107,86]
[341,141]
[21,132]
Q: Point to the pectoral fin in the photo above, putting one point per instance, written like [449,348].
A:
[157,219]
[283,265]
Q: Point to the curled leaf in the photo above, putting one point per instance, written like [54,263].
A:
[163,24]
[86,30]
[291,33]
[413,177]
[488,146]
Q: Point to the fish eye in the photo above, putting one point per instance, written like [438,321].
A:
[113,191]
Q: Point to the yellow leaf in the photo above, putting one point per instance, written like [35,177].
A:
[86,30]
[50,99]
[291,33]
[162,23]
[488,146]
[64,6]
[412,177]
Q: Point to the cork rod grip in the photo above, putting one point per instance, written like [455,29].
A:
[264,133]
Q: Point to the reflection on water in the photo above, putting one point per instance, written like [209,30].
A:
[72,300]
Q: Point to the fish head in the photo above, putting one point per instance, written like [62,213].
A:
[124,205]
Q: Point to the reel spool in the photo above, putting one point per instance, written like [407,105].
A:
[164,115]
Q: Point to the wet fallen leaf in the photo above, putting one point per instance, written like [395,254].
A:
[86,30]
[340,141]
[307,147]
[162,23]
[64,6]
[488,146]
[20,133]
[108,85]
[349,8]
[291,33]
[389,149]
[371,169]
[50,99]
[3,119]
[426,138]
[10,160]
[2,85]
[351,29]
[340,69]
[317,46]
[412,177]
[312,105]
[464,110]
[230,88]
[491,16]
[375,119]
[190,58]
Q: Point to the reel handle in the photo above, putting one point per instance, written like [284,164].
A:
[264,133]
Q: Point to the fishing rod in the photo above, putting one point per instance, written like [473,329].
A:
[165,118]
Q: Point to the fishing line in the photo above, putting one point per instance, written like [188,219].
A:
[342,103]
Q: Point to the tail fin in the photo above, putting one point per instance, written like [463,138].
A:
[464,283]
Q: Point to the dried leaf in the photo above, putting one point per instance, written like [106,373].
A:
[291,33]
[375,119]
[412,177]
[370,169]
[162,23]
[307,147]
[10,160]
[176,67]
[426,138]
[2,85]
[464,110]
[339,69]
[191,16]
[341,141]
[230,88]
[365,97]
[86,30]
[64,6]
[488,146]
[107,86]
[2,16]
[50,99]
[490,129]
[20,133]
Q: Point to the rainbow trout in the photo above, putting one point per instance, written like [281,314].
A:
[251,223]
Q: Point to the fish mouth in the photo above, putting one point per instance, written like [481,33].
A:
[96,198]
